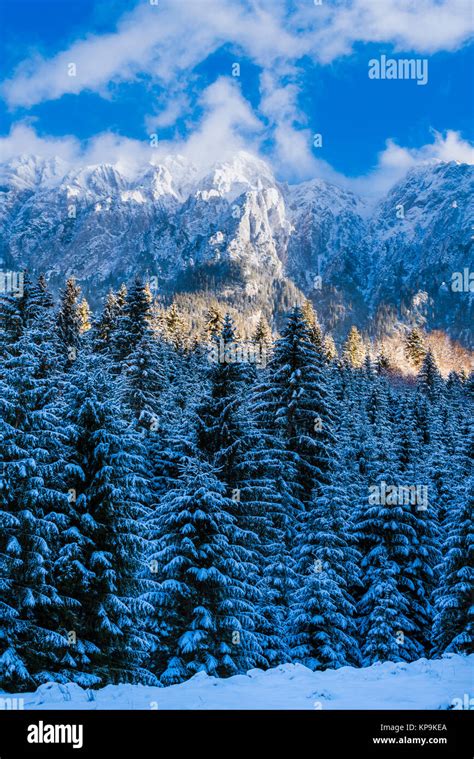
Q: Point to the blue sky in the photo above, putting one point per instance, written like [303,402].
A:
[167,69]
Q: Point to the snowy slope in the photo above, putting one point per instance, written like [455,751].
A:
[424,684]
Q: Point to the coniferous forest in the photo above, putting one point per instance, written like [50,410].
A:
[170,506]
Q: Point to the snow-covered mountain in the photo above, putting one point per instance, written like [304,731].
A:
[238,231]
[421,234]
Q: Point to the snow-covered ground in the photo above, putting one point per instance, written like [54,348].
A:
[436,684]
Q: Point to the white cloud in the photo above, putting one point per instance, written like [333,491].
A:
[426,26]
[228,125]
[167,113]
[161,40]
[170,39]
[394,162]
[291,139]
[167,41]
[23,139]
[450,148]
[127,154]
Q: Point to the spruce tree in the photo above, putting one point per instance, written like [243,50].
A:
[265,471]
[429,379]
[11,315]
[214,322]
[219,416]
[312,322]
[175,328]
[386,628]
[386,529]
[330,348]
[382,364]
[415,348]
[263,340]
[38,301]
[85,314]
[133,321]
[144,377]
[354,350]
[32,648]
[453,627]
[109,318]
[104,547]
[107,322]
[302,403]
[205,606]
[322,623]
[69,321]
[423,552]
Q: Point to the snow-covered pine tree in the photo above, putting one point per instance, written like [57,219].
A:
[265,471]
[104,547]
[383,365]
[453,627]
[330,348]
[263,340]
[206,605]
[385,627]
[384,620]
[172,438]
[40,301]
[144,377]
[220,423]
[423,553]
[32,508]
[252,459]
[454,392]
[302,403]
[429,379]
[12,306]
[133,320]
[387,537]
[69,322]
[322,626]
[85,314]
[106,323]
[442,466]
[279,460]
[469,385]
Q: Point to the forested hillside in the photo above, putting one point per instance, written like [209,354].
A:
[170,506]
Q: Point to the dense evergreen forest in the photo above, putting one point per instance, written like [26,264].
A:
[170,506]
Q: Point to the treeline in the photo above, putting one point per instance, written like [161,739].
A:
[167,508]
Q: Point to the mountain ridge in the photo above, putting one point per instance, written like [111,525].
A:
[236,229]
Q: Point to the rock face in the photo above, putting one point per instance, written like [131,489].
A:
[421,234]
[238,231]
